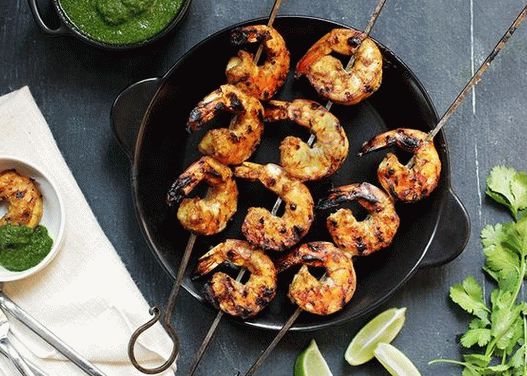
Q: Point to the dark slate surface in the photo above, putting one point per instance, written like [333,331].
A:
[74,85]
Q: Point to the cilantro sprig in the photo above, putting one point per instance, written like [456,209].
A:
[506,186]
[496,338]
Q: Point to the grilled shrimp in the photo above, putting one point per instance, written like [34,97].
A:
[233,145]
[333,291]
[330,78]
[361,238]
[208,215]
[329,150]
[24,200]
[237,299]
[415,180]
[260,81]
[270,232]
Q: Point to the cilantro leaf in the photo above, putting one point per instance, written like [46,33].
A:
[506,326]
[519,190]
[478,324]
[505,264]
[472,336]
[520,235]
[503,245]
[478,360]
[469,296]
[470,371]
[510,338]
[508,187]
[492,236]
[498,369]
[518,359]
[499,185]
[501,299]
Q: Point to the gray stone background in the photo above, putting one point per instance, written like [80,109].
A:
[441,41]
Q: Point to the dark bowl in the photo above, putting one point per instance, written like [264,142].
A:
[68,28]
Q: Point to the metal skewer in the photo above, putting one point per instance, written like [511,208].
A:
[167,318]
[270,22]
[477,76]
[214,326]
[468,87]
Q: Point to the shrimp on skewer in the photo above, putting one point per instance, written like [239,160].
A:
[24,199]
[328,152]
[361,238]
[237,299]
[333,291]
[270,232]
[415,180]
[235,144]
[260,81]
[329,77]
[208,215]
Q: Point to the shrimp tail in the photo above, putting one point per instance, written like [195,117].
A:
[211,105]
[332,201]
[208,295]
[276,110]
[297,257]
[177,191]
[302,67]
[347,193]
[287,262]
[202,114]
[207,263]
[397,137]
[309,259]
[244,35]
[376,143]
[248,170]
[196,120]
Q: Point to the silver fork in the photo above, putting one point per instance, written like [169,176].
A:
[9,350]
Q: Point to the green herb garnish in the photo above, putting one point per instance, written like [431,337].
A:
[497,335]
[507,186]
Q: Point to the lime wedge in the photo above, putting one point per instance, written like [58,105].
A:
[311,362]
[383,328]
[395,362]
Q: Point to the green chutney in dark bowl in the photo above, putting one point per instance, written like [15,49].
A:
[121,21]
[114,24]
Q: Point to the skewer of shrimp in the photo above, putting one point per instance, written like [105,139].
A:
[348,85]
[472,82]
[420,176]
[186,213]
[232,74]
[289,323]
[205,216]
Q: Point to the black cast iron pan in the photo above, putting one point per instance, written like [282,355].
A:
[149,122]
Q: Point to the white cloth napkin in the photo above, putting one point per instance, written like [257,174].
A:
[85,296]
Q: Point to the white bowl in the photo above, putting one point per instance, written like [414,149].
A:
[53,217]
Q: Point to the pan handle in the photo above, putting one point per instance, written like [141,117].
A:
[128,110]
[61,30]
[451,235]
